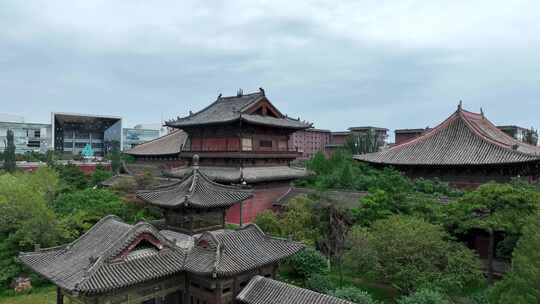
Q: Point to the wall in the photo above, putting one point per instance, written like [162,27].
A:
[264,196]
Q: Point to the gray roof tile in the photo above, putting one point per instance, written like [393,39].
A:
[262,290]
[169,144]
[104,257]
[228,109]
[196,190]
[464,138]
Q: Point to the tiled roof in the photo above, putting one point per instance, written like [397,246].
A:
[262,290]
[247,174]
[196,190]
[345,197]
[464,138]
[92,263]
[165,145]
[107,257]
[224,253]
[229,109]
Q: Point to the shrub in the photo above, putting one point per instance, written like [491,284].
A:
[100,175]
[424,296]
[354,295]
[411,253]
[306,263]
[319,283]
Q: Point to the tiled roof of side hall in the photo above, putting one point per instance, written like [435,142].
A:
[261,290]
[95,262]
[196,190]
[165,145]
[108,256]
[247,174]
[233,108]
[464,138]
[223,253]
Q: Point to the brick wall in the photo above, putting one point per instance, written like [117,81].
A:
[264,196]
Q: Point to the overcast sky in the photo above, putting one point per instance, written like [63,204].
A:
[394,64]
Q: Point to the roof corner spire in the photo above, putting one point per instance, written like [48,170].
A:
[460,105]
[482,112]
[262,91]
[195,162]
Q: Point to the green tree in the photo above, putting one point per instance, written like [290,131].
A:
[306,263]
[522,284]
[410,253]
[362,143]
[25,220]
[494,207]
[333,222]
[100,175]
[269,223]
[10,164]
[115,157]
[354,295]
[297,221]
[45,180]
[72,177]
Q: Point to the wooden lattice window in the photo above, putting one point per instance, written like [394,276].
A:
[247,144]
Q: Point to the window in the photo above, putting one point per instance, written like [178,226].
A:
[247,144]
[33,143]
[265,143]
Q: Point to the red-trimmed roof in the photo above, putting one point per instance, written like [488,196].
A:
[464,138]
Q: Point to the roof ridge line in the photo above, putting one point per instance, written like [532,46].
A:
[492,141]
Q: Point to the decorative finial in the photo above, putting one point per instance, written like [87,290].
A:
[240,92]
[262,90]
[482,112]
[460,105]
[195,161]
[219,96]
[190,113]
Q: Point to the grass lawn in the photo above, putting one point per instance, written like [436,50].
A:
[44,295]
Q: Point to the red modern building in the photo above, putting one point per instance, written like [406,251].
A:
[310,141]
[404,135]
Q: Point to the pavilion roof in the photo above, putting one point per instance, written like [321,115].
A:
[196,190]
[261,290]
[464,138]
[100,261]
[236,108]
[165,145]
[224,253]
[247,174]
[108,255]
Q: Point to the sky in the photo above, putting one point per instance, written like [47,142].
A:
[393,64]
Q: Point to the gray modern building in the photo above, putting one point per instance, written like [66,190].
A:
[28,137]
[135,136]
[72,132]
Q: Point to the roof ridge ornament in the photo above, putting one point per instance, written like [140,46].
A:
[262,91]
[482,112]
[460,105]
[195,161]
